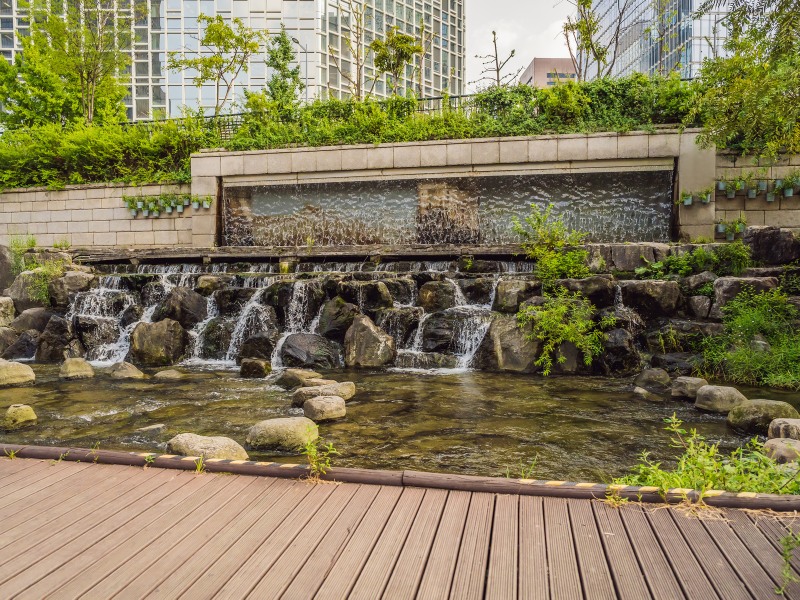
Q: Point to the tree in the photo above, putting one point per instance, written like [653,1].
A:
[425,42]
[284,86]
[493,66]
[392,55]
[225,53]
[664,14]
[353,36]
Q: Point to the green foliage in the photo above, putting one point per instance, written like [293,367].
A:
[766,316]
[789,543]
[19,247]
[564,318]
[43,271]
[707,289]
[702,467]
[723,259]
[319,456]
[393,54]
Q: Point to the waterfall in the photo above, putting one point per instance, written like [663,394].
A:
[198,332]
[629,317]
[254,318]
[297,318]
[470,332]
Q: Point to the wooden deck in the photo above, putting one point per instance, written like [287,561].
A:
[70,530]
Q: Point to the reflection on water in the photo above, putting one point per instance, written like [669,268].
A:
[470,422]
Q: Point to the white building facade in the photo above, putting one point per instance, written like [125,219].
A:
[164,26]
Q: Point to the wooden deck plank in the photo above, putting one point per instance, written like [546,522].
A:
[438,576]
[410,565]
[315,543]
[592,563]
[534,576]
[565,579]
[10,466]
[774,529]
[96,571]
[208,583]
[661,579]
[345,570]
[28,487]
[273,505]
[372,579]
[90,531]
[629,581]
[469,580]
[501,580]
[714,563]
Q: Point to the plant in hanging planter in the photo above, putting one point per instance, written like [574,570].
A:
[153,208]
[730,234]
[740,224]
[131,203]
[207,200]
[686,199]
[771,196]
[722,185]
[186,199]
[790,183]
[706,195]
[731,187]
[179,207]
[195,202]
[748,181]
[722,226]
[168,202]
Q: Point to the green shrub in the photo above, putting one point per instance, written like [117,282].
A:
[702,467]
[723,259]
[19,247]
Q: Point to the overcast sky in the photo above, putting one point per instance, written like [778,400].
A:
[531,27]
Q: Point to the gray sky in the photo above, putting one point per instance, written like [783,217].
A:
[531,27]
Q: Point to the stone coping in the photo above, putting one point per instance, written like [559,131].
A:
[408,478]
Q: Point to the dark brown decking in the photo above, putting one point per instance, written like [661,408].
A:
[72,530]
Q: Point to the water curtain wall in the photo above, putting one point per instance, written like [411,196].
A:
[611,207]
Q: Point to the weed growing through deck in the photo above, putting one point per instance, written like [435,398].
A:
[523,472]
[149,460]
[320,457]
[614,499]
[788,544]
[11,454]
[200,466]
[61,457]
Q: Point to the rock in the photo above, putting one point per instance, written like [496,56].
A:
[259,346]
[782,450]
[319,381]
[190,444]
[425,360]
[6,267]
[402,289]
[366,345]
[686,388]
[19,416]
[400,323]
[718,398]
[324,408]
[435,296]
[367,295]
[700,306]
[254,368]
[643,394]
[156,429]
[64,289]
[23,292]
[94,332]
[477,291]
[784,428]
[727,288]
[759,344]
[293,378]
[208,284]
[681,363]
[76,368]
[216,338]
[772,245]
[678,334]
[344,389]
[230,301]
[289,434]
[125,370]
[505,347]
[32,318]
[183,305]
[7,338]
[296,301]
[336,318]
[693,282]
[132,314]
[24,347]
[652,298]
[755,416]
[169,375]
[629,257]
[512,292]
[158,344]
[620,356]
[655,380]
[310,350]
[54,341]
[438,331]
[7,311]
[13,374]
[598,289]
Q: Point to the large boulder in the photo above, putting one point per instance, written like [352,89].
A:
[755,416]
[324,408]
[620,356]
[438,331]
[506,347]
[169,375]
[600,290]
[76,368]
[254,368]
[13,374]
[336,318]
[366,345]
[94,332]
[6,267]
[677,363]
[513,292]
[259,346]
[478,291]
[19,416]
[727,288]
[208,284]
[686,388]
[287,434]
[772,245]
[183,305]
[718,398]
[7,311]
[784,428]
[425,360]
[190,444]
[158,344]
[344,389]
[435,296]
[55,341]
[694,282]
[655,380]
[296,302]
[652,298]
[230,301]
[24,347]
[7,338]
[294,378]
[367,295]
[402,289]
[310,350]
[23,291]
[400,323]
[32,318]
[216,338]
[63,289]
[782,450]
[125,370]
[700,306]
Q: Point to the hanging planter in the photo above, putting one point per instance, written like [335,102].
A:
[788,191]
[721,227]
[752,193]
[762,185]
[195,204]
[778,184]
[740,227]
[179,208]
[730,192]
[168,209]
[770,196]
[145,212]
[686,199]
[134,212]
[187,200]
[156,214]
[722,185]
[706,198]
[730,235]
[207,203]
[140,204]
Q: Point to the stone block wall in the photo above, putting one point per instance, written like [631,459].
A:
[95,216]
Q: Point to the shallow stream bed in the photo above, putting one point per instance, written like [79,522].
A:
[464,422]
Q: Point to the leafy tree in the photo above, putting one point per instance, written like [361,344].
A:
[284,86]
[392,55]
[351,61]
[493,65]
[225,53]
[424,43]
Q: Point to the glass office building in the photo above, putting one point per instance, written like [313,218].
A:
[164,26]
[659,36]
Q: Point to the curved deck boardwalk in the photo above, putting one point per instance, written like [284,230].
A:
[81,530]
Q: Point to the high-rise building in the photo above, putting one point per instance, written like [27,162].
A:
[546,72]
[659,36]
[318,26]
